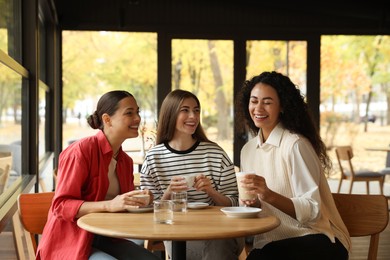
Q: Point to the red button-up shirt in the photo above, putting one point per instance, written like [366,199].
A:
[82,176]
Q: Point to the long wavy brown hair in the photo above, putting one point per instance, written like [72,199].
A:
[168,115]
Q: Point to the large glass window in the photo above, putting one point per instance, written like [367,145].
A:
[355,95]
[42,119]
[97,62]
[205,67]
[10,28]
[287,57]
[10,126]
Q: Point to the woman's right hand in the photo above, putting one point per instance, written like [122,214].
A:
[127,201]
[119,203]
[178,183]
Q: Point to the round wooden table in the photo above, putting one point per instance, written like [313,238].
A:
[196,224]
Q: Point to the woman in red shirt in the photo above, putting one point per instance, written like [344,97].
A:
[95,175]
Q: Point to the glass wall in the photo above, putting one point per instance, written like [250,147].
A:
[43,89]
[10,126]
[355,96]
[10,95]
[205,67]
[287,57]
[97,62]
[10,28]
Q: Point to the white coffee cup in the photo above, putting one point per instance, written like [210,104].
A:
[243,195]
[189,179]
[143,197]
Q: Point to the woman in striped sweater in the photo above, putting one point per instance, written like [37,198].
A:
[182,148]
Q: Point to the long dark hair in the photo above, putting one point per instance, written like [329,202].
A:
[108,104]
[168,115]
[296,116]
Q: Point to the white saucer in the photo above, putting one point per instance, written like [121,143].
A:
[241,212]
[197,205]
[141,209]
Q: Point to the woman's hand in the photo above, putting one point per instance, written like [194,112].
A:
[202,183]
[119,203]
[128,200]
[257,185]
[178,183]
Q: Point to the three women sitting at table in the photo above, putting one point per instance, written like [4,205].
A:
[287,154]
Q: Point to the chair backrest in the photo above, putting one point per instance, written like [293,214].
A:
[388,159]
[5,168]
[344,157]
[364,215]
[33,209]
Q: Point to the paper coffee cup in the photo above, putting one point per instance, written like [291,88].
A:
[242,192]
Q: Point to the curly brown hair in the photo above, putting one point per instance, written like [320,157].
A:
[296,116]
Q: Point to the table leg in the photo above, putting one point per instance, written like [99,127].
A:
[178,250]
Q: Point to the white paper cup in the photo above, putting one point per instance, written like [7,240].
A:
[179,200]
[241,190]
[163,211]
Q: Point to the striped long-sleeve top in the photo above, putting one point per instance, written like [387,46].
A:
[162,162]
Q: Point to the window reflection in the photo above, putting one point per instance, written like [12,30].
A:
[10,126]
[42,119]
[10,28]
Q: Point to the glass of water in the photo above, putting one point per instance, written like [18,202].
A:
[179,200]
[163,211]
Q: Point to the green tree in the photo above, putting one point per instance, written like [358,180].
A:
[205,68]
[97,62]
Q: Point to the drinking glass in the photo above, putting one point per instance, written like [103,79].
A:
[163,211]
[179,200]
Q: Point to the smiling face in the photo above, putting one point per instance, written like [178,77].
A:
[188,117]
[126,120]
[264,108]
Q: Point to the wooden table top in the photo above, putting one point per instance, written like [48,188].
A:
[196,224]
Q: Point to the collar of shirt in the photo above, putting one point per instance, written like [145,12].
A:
[274,138]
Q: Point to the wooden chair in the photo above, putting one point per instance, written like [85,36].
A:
[364,215]
[386,170]
[156,245]
[344,157]
[5,168]
[33,209]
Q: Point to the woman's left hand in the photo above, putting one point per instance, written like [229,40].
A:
[256,185]
[202,183]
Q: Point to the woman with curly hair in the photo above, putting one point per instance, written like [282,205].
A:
[290,162]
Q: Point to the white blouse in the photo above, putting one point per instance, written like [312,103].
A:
[291,168]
